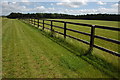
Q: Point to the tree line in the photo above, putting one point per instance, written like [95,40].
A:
[111,17]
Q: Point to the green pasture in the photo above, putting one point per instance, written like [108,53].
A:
[100,32]
[29,52]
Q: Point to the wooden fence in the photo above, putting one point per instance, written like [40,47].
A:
[91,35]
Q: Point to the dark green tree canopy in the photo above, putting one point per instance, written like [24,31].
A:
[111,17]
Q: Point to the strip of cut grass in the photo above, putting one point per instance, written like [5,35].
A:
[97,62]
[27,53]
[100,32]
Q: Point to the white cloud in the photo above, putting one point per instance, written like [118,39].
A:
[101,3]
[69,4]
[72,3]
[83,1]
[13,2]
[115,5]
[51,4]
[39,9]
[24,0]
[58,0]
[108,10]
[8,7]
[90,11]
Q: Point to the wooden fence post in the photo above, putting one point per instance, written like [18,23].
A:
[51,26]
[64,30]
[38,23]
[34,21]
[92,37]
[43,25]
[52,31]
[29,20]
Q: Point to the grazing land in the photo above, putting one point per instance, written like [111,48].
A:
[30,53]
[100,32]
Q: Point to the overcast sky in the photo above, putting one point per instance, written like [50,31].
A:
[75,7]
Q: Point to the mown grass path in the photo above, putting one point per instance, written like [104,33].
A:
[27,53]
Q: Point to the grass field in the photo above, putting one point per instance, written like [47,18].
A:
[30,53]
[100,32]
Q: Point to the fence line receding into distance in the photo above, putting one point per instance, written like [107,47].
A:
[91,34]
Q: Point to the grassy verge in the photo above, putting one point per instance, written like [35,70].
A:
[28,52]
[94,60]
[101,32]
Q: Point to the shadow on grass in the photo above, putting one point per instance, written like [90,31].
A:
[86,55]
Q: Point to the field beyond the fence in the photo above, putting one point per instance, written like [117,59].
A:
[76,30]
[29,52]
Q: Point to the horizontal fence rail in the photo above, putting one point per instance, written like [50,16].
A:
[91,35]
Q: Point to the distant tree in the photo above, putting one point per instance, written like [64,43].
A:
[112,17]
